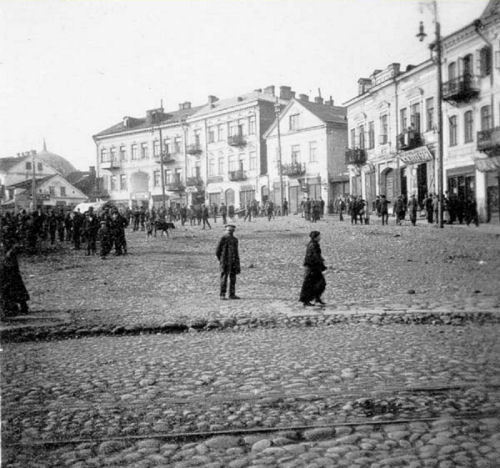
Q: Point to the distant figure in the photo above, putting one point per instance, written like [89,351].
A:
[384,209]
[314,283]
[285,207]
[412,209]
[229,259]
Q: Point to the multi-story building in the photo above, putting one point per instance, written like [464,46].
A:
[393,122]
[471,115]
[211,154]
[310,147]
[131,153]
[230,133]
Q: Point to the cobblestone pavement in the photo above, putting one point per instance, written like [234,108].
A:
[176,280]
[378,390]
[382,378]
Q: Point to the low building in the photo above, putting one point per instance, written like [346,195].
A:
[52,191]
[306,157]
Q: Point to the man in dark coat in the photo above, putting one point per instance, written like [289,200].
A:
[13,293]
[314,282]
[90,229]
[229,260]
[223,212]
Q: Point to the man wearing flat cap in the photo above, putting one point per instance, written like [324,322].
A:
[229,260]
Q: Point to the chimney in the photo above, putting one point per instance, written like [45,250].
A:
[363,85]
[125,121]
[304,97]
[92,173]
[212,99]
[286,93]
[257,90]
[185,105]
[318,100]
[269,90]
[149,117]
[329,102]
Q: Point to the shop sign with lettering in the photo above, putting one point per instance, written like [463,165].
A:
[416,156]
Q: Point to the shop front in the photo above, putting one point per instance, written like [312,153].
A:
[417,177]
[491,168]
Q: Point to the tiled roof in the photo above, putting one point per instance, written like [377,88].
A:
[26,184]
[493,8]
[136,124]
[222,104]
[76,176]
[8,163]
[327,113]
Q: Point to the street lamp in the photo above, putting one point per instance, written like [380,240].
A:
[437,46]
[277,111]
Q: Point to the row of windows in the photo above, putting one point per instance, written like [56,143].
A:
[366,140]
[52,191]
[240,127]
[464,66]
[29,166]
[170,177]
[141,151]
[217,166]
[468,125]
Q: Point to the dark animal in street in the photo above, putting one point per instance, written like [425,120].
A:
[163,226]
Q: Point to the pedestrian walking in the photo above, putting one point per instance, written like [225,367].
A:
[285,207]
[399,208]
[205,215]
[314,282]
[229,260]
[223,213]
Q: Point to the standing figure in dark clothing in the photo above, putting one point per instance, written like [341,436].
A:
[204,215]
[314,282]
[77,229]
[285,207]
[60,225]
[229,259]
[105,239]
[52,225]
[90,229]
[13,293]
[412,209]
[223,212]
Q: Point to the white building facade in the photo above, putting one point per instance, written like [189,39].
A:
[393,123]
[310,147]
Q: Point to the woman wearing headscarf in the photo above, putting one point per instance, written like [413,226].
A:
[314,282]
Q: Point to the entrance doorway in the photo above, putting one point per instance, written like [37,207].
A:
[294,199]
[229,195]
[387,186]
[421,182]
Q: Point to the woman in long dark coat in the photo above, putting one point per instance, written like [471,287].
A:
[13,293]
[314,282]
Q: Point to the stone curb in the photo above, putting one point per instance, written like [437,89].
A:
[62,332]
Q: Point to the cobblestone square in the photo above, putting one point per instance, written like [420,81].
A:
[400,368]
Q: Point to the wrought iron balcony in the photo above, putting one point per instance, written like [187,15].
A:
[294,169]
[167,158]
[488,140]
[194,149]
[409,139]
[355,156]
[176,186]
[464,88]
[236,140]
[194,182]
[110,165]
[234,176]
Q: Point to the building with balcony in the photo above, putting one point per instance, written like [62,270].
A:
[311,163]
[130,155]
[233,158]
[393,118]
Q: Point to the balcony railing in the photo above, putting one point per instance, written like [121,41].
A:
[355,156]
[234,176]
[461,89]
[167,158]
[488,140]
[215,179]
[409,139]
[194,182]
[176,186]
[111,165]
[194,149]
[236,140]
[294,169]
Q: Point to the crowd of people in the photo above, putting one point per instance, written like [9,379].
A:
[30,231]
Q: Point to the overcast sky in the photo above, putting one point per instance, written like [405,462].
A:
[69,69]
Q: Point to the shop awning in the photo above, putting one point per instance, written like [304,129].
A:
[488,164]
[416,156]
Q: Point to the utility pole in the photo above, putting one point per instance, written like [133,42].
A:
[439,156]
[33,181]
[277,111]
